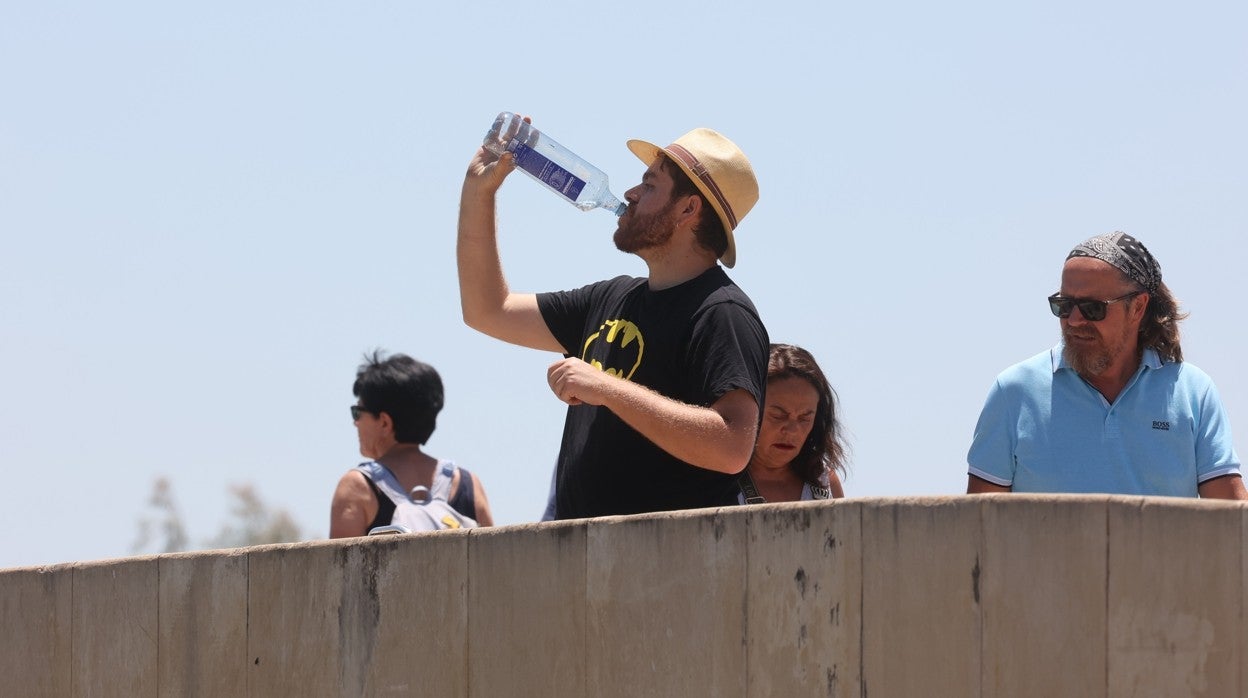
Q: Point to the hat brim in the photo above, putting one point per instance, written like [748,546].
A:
[647,152]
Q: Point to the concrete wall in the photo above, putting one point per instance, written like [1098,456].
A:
[1008,595]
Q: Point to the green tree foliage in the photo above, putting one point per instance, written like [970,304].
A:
[251,522]
[255,523]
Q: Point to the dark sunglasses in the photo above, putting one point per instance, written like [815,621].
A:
[1091,310]
[357,410]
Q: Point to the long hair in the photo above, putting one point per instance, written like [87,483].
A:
[825,446]
[1159,330]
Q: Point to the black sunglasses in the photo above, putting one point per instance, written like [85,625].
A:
[357,410]
[1091,310]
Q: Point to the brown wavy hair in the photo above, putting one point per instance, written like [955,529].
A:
[825,446]
[1159,329]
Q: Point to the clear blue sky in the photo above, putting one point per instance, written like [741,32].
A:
[209,213]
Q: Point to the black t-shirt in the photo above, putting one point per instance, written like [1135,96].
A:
[693,343]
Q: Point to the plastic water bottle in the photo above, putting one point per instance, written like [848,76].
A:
[558,168]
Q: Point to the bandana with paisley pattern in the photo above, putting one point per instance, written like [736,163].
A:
[1126,254]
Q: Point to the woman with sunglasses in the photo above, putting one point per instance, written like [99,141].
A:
[800,452]
[395,414]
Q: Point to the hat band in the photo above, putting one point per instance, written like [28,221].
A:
[700,171]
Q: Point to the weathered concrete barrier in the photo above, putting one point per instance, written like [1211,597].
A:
[1007,595]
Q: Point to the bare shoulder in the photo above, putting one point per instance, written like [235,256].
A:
[353,484]
[484,516]
[354,506]
[834,483]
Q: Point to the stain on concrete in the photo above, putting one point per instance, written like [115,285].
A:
[359,613]
[975,579]
[1165,654]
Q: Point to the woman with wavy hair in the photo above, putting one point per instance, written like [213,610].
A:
[800,453]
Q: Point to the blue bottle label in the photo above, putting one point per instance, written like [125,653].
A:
[553,175]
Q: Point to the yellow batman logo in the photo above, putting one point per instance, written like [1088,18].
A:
[450,521]
[616,348]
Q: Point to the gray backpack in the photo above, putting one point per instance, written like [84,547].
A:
[423,509]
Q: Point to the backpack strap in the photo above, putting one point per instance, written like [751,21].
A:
[419,514]
[442,480]
[385,480]
[822,490]
[746,483]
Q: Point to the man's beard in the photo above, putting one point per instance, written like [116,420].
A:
[1095,359]
[1088,362]
[643,231]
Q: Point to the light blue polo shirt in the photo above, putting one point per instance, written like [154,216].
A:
[1045,429]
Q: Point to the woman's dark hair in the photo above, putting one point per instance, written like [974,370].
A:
[825,446]
[709,231]
[404,388]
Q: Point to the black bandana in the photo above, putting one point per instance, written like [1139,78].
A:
[1125,253]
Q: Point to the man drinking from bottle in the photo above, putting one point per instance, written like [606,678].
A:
[663,375]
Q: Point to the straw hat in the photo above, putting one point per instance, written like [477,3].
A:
[720,171]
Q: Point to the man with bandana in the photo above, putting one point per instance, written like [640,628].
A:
[663,375]
[1113,408]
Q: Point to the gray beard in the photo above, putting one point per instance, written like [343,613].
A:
[1095,360]
[1089,363]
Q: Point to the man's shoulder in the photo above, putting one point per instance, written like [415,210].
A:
[624,280]
[607,287]
[1187,371]
[719,289]
[1184,376]
[1029,371]
[622,283]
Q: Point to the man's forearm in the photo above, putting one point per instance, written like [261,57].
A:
[482,286]
[701,436]
[487,303]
